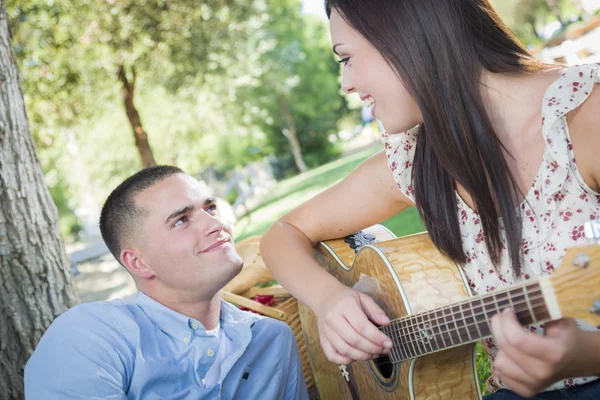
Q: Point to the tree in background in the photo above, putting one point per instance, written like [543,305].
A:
[293,94]
[213,86]
[89,49]
[530,15]
[35,278]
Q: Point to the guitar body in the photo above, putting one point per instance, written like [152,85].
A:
[413,277]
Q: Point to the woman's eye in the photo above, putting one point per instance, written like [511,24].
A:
[212,208]
[344,60]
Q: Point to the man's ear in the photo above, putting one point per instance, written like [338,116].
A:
[132,259]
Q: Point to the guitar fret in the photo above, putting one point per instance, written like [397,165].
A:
[434,332]
[460,336]
[439,326]
[541,311]
[466,322]
[391,332]
[400,341]
[518,302]
[408,342]
[475,320]
[413,338]
[449,329]
[427,335]
[395,343]
[386,330]
[485,314]
[528,302]
[510,302]
[496,304]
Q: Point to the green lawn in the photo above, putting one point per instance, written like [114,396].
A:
[292,192]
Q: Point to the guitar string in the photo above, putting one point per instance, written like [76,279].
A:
[448,331]
[482,301]
[470,303]
[474,317]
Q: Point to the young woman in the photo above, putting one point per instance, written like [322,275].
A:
[499,153]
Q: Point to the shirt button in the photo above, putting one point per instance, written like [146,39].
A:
[210,352]
[186,340]
[195,325]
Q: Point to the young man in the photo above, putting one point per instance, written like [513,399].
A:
[175,339]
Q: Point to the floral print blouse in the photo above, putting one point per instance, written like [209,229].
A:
[554,211]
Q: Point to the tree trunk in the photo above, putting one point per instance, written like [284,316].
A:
[35,275]
[555,8]
[290,133]
[141,138]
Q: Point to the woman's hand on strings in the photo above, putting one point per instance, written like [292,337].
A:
[347,327]
[528,363]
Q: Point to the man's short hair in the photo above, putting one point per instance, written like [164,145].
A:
[120,217]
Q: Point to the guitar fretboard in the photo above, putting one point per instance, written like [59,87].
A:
[462,323]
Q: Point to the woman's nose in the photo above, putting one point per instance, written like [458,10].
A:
[346,85]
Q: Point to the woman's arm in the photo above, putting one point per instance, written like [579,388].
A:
[367,196]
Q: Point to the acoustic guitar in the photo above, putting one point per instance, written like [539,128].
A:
[436,321]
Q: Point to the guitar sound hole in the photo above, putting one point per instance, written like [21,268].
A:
[384,366]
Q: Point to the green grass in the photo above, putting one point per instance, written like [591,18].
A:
[292,192]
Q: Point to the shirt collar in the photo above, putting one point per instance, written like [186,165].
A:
[180,326]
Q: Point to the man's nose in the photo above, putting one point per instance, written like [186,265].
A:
[211,223]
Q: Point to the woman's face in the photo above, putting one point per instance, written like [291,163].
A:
[366,73]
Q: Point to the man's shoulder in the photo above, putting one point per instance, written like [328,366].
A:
[94,318]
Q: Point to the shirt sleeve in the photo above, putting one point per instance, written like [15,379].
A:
[82,355]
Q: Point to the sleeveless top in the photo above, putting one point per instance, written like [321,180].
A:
[557,205]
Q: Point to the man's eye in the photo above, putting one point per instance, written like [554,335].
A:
[212,207]
[182,220]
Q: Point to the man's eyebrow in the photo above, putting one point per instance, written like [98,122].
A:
[210,200]
[184,210]
[334,50]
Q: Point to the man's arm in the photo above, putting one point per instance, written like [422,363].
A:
[83,355]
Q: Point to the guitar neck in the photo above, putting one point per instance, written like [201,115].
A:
[469,321]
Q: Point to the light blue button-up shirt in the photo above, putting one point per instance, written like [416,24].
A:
[137,348]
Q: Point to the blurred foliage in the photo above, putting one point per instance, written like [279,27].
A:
[210,80]
[218,81]
[293,76]
[530,19]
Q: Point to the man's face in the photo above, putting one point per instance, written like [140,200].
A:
[183,239]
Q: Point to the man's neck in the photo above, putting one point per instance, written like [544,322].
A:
[207,312]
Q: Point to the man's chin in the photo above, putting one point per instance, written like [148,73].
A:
[236,266]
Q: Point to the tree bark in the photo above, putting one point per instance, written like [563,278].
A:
[141,138]
[35,275]
[290,133]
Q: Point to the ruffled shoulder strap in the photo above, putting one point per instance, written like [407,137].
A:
[400,152]
[563,96]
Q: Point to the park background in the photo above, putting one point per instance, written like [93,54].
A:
[242,94]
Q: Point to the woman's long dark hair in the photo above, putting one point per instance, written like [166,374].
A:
[439,49]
